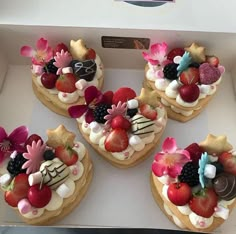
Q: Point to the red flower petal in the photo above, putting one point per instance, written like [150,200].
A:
[3,134]
[19,135]
[91,93]
[89,117]
[77,111]
[158,169]
[169,145]
[42,44]
[27,51]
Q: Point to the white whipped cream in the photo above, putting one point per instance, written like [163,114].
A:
[199,221]
[68,97]
[55,202]
[80,149]
[125,154]
[77,171]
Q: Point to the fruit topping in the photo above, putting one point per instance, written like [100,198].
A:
[132,112]
[66,83]
[189,174]
[179,193]
[84,69]
[228,160]
[91,54]
[50,67]
[66,154]
[32,138]
[213,60]
[189,93]
[175,52]
[117,140]
[120,121]
[17,190]
[48,80]
[148,111]
[15,164]
[100,112]
[208,73]
[48,155]
[195,152]
[170,71]
[59,47]
[204,202]
[39,195]
[190,76]
[194,64]
[123,95]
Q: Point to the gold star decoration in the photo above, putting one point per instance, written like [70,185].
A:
[215,145]
[197,52]
[60,136]
[149,97]
[78,49]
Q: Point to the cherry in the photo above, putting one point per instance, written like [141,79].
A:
[48,80]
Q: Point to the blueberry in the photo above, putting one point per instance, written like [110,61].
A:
[132,112]
[48,155]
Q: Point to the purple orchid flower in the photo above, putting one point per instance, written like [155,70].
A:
[13,141]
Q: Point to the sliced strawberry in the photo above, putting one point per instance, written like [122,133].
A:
[123,94]
[190,76]
[229,162]
[204,203]
[66,83]
[148,111]
[59,47]
[31,138]
[213,60]
[17,190]
[66,154]
[195,152]
[120,121]
[175,52]
[117,140]
[91,54]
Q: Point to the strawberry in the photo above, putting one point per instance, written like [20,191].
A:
[66,154]
[229,162]
[213,60]
[204,202]
[117,140]
[31,138]
[175,52]
[91,54]
[120,121]
[190,76]
[66,83]
[148,111]
[123,94]
[59,47]
[195,152]
[17,190]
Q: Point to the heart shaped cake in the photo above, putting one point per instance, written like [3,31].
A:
[43,181]
[61,74]
[122,127]
[196,186]
[185,79]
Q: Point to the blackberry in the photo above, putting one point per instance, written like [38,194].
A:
[189,174]
[50,68]
[132,112]
[170,71]
[194,64]
[100,112]
[15,164]
[48,155]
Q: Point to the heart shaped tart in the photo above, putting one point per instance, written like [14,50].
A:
[43,181]
[185,79]
[61,74]
[196,186]
[122,127]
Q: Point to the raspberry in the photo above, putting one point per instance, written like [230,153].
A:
[189,174]
[170,71]
[100,112]
[15,164]
[50,68]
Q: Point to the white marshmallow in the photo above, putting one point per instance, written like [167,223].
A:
[222,212]
[81,84]
[66,70]
[210,171]
[204,88]
[24,206]
[13,154]
[174,85]
[35,178]
[63,191]
[136,142]
[5,180]
[132,104]
[177,59]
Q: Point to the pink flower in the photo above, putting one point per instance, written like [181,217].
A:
[41,55]
[12,142]
[170,160]
[92,98]
[62,59]
[157,56]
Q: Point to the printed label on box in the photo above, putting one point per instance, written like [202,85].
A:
[125,42]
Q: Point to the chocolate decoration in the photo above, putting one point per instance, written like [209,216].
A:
[225,186]
[141,126]
[54,173]
[84,69]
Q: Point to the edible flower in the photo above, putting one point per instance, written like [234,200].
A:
[41,55]
[92,98]
[157,56]
[170,160]
[13,141]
